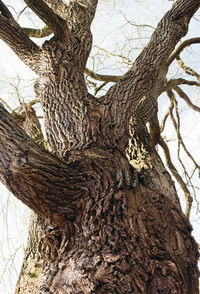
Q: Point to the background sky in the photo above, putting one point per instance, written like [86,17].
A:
[114,30]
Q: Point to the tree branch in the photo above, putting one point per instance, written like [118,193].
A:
[172,98]
[111,78]
[12,34]
[41,181]
[5,11]
[103,78]
[142,83]
[175,173]
[170,110]
[61,9]
[30,123]
[185,97]
[178,50]
[6,104]
[80,14]
[188,70]
[84,11]
[47,15]
[181,142]
[58,6]
[173,83]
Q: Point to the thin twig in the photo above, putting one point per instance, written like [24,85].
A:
[129,61]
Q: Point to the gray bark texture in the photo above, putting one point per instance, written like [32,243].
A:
[107,218]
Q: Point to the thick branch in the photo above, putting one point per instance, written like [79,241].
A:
[80,14]
[58,6]
[30,123]
[84,11]
[44,183]
[12,34]
[148,73]
[47,15]
[5,11]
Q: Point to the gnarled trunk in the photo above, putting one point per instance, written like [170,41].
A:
[130,235]
[108,219]
[124,240]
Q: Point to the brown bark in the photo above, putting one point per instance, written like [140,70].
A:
[108,219]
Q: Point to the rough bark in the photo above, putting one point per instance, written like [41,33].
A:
[108,219]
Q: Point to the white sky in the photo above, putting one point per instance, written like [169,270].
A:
[111,33]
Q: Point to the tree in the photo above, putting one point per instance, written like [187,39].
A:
[107,216]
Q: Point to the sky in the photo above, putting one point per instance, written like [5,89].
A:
[113,30]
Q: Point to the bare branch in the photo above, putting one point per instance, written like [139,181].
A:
[97,89]
[88,7]
[12,34]
[47,15]
[6,104]
[5,11]
[102,78]
[175,173]
[43,182]
[181,142]
[141,82]
[30,123]
[124,58]
[80,14]
[31,103]
[58,6]
[173,83]
[185,97]
[172,98]
[170,110]
[155,137]
[137,25]
[175,54]
[57,11]
[188,70]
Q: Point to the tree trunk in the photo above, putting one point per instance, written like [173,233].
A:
[108,219]
[126,240]
[131,237]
